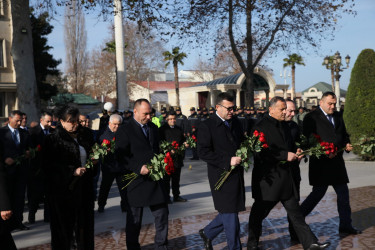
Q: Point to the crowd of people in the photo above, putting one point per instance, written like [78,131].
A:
[47,161]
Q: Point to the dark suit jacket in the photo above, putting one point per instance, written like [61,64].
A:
[133,150]
[110,163]
[271,180]
[37,137]
[10,149]
[325,171]
[217,144]
[166,133]
[4,199]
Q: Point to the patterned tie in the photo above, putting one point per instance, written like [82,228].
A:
[15,137]
[330,119]
[145,130]
[226,123]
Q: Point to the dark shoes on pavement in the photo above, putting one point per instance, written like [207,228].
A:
[206,240]
[100,209]
[349,230]
[179,199]
[318,245]
[31,218]
[21,227]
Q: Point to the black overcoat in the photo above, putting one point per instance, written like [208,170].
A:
[273,180]
[166,133]
[325,171]
[133,150]
[217,144]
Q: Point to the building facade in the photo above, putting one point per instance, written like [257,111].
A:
[8,87]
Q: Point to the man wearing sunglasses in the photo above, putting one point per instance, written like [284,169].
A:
[218,140]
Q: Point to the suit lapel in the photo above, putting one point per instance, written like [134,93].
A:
[139,132]
[10,137]
[227,130]
[325,120]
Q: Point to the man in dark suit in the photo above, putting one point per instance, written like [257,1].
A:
[193,124]
[171,132]
[6,239]
[110,168]
[37,181]
[218,140]
[272,181]
[326,122]
[15,143]
[136,143]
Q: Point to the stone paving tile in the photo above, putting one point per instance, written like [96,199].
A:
[183,232]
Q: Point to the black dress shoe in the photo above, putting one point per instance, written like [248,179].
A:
[31,218]
[252,246]
[349,230]
[318,245]
[206,240]
[179,199]
[100,209]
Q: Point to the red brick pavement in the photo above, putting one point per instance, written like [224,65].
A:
[183,232]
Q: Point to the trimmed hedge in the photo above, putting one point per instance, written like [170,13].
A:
[359,111]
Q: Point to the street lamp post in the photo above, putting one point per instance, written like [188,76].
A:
[335,64]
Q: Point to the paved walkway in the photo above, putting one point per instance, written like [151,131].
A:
[187,218]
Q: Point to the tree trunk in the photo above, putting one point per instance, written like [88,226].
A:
[333,79]
[176,83]
[293,97]
[23,60]
[249,101]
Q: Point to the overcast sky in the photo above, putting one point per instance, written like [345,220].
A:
[354,34]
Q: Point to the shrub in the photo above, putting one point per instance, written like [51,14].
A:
[359,112]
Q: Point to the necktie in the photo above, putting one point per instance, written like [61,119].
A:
[145,130]
[330,119]
[45,131]
[15,137]
[226,123]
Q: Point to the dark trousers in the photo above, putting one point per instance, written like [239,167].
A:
[6,241]
[228,222]
[343,205]
[36,195]
[105,187]
[134,223]
[195,153]
[175,179]
[17,191]
[260,211]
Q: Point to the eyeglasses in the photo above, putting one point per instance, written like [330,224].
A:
[228,108]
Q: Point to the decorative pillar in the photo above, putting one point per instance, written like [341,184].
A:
[212,98]
[238,96]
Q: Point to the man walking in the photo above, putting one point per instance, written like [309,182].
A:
[110,168]
[326,122]
[272,181]
[136,143]
[218,139]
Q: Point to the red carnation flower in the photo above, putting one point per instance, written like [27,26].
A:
[106,142]
[38,148]
[265,145]
[262,139]
[113,139]
[194,138]
[256,133]
[327,152]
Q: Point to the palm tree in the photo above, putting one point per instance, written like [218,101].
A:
[292,60]
[330,66]
[176,58]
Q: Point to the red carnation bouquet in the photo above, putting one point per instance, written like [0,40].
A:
[315,146]
[191,141]
[160,165]
[99,151]
[251,144]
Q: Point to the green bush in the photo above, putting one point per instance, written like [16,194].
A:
[359,112]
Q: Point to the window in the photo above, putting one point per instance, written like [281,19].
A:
[2,53]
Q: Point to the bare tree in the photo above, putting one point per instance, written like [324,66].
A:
[102,73]
[75,44]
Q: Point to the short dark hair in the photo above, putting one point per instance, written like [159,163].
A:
[44,113]
[290,100]
[276,99]
[13,113]
[139,102]
[67,112]
[224,96]
[328,93]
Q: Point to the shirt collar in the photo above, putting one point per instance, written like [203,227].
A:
[42,126]
[220,117]
[11,129]
[140,124]
[324,112]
